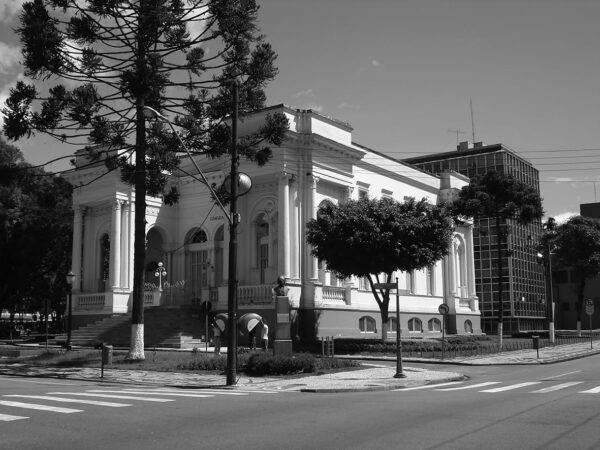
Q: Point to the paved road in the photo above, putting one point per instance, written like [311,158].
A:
[498,407]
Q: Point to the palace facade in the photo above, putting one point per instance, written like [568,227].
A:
[318,162]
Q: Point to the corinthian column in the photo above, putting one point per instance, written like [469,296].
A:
[313,269]
[115,246]
[76,249]
[283,259]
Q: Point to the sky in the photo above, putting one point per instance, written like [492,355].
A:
[404,74]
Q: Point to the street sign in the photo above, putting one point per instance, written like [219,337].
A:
[443,309]
[385,285]
[589,307]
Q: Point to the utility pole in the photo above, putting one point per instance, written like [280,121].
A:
[232,305]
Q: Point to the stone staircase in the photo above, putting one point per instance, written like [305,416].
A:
[163,327]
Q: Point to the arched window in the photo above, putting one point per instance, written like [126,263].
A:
[198,237]
[392,325]
[219,249]
[430,275]
[434,325]
[198,265]
[262,245]
[415,325]
[104,262]
[468,326]
[367,324]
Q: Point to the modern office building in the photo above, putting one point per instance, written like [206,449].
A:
[525,303]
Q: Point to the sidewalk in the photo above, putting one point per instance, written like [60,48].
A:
[369,378]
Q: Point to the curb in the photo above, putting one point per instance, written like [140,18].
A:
[382,388]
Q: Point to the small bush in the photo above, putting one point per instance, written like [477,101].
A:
[260,364]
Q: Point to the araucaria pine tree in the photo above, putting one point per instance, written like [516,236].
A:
[110,59]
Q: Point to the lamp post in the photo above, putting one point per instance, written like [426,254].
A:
[242,186]
[160,272]
[70,278]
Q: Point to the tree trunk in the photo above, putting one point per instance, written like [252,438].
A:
[580,295]
[384,330]
[500,286]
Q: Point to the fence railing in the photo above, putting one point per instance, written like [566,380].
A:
[435,351]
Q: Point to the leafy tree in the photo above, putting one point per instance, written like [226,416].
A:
[35,234]
[500,197]
[577,246]
[180,57]
[374,238]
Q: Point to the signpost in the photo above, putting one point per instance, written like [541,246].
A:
[443,310]
[390,286]
[589,310]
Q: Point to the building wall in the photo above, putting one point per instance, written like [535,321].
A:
[317,163]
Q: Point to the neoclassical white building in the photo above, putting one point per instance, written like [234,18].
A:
[318,162]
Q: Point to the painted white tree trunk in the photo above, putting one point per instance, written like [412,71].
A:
[384,330]
[136,349]
[579,328]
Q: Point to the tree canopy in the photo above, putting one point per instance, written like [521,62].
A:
[370,237]
[183,58]
[576,246]
[35,234]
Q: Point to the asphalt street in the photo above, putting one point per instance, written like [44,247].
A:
[553,406]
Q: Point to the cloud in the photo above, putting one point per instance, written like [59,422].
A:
[11,57]
[9,9]
[345,105]
[375,63]
[306,93]
[314,107]
[563,217]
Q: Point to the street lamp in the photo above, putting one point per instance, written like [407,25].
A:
[160,272]
[70,278]
[547,261]
[242,186]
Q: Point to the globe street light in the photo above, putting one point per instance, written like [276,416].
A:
[70,278]
[160,272]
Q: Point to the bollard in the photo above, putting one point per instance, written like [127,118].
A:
[107,354]
[536,344]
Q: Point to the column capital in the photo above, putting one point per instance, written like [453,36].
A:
[118,203]
[281,176]
[313,179]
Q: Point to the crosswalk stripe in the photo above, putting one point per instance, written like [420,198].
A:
[172,394]
[125,397]
[201,391]
[512,386]
[71,400]
[8,418]
[427,386]
[556,387]
[472,386]
[591,391]
[40,407]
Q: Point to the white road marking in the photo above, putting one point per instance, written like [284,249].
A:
[427,386]
[125,397]
[40,382]
[565,374]
[172,394]
[193,392]
[472,386]
[71,400]
[512,386]
[40,407]
[556,387]
[591,391]
[7,418]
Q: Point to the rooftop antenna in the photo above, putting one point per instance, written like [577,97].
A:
[472,120]
[457,133]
